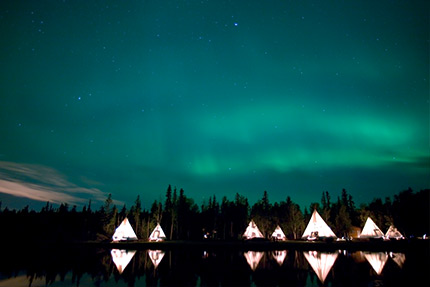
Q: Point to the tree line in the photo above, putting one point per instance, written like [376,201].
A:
[182,219]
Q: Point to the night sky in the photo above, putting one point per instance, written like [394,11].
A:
[215,97]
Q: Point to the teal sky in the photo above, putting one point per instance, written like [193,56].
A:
[215,97]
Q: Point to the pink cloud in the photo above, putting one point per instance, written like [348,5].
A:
[36,192]
[43,183]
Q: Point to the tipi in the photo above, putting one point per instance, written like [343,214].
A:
[371,230]
[321,262]
[252,231]
[317,228]
[278,234]
[393,233]
[157,234]
[124,232]
[121,258]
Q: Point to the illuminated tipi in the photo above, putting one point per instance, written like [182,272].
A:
[252,231]
[371,230]
[317,228]
[278,234]
[124,232]
[157,234]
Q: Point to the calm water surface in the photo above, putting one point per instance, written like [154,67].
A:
[188,267]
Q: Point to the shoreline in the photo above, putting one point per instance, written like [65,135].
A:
[398,245]
[280,245]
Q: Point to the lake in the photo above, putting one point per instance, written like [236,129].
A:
[97,266]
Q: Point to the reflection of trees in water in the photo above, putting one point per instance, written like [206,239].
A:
[55,264]
[189,267]
[227,268]
[178,267]
[351,267]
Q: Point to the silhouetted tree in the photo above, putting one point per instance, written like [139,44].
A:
[174,214]
[157,212]
[168,213]
[234,217]
[135,213]
[240,215]
[326,206]
[411,212]
[209,217]
[108,214]
[294,225]
[226,218]
[261,214]
[123,213]
[408,212]
[343,223]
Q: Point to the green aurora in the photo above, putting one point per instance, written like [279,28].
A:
[216,97]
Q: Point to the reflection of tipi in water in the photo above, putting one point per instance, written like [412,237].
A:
[399,258]
[377,260]
[320,262]
[279,256]
[156,257]
[121,258]
[253,258]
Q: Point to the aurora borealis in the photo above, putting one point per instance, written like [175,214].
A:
[215,97]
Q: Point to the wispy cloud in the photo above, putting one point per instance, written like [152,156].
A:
[41,183]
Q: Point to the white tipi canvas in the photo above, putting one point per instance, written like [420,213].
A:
[371,230]
[121,258]
[278,234]
[317,228]
[252,231]
[321,262]
[124,232]
[157,234]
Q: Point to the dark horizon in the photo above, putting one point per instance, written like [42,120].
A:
[14,203]
[182,218]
